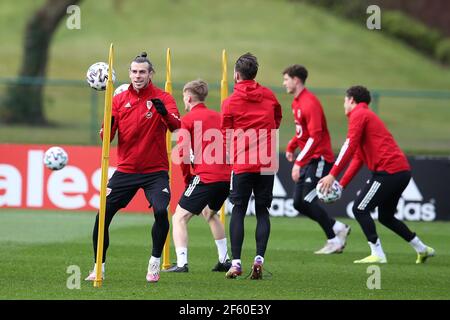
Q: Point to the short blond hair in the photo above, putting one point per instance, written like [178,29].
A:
[198,88]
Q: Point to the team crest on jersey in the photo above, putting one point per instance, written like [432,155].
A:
[128,105]
[149,106]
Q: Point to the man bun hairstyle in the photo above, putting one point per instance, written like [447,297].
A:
[142,58]
[247,66]
[298,71]
[198,88]
[359,94]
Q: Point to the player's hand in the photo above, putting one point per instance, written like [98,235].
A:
[160,107]
[326,182]
[289,156]
[296,172]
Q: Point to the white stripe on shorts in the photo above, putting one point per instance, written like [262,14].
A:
[192,186]
[310,196]
[373,189]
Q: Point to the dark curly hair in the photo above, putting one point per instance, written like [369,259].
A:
[298,71]
[247,66]
[359,94]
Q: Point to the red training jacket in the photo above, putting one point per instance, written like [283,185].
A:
[311,131]
[142,130]
[209,161]
[253,109]
[371,144]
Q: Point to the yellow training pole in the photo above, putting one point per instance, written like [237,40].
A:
[168,88]
[105,164]
[223,96]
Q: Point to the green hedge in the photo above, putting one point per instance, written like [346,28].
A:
[443,51]
[411,31]
[395,24]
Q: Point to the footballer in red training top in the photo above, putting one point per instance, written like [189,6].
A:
[315,159]
[253,111]
[369,142]
[141,117]
[208,185]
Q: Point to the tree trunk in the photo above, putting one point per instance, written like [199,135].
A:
[24,101]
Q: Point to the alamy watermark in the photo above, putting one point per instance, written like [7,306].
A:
[374,280]
[74,19]
[374,20]
[231,146]
[74,280]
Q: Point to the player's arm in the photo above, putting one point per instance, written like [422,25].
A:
[168,110]
[353,168]
[291,147]
[114,121]
[315,129]
[355,129]
[226,126]
[278,113]
[184,145]
[356,126]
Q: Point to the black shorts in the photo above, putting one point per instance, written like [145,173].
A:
[243,184]
[198,195]
[383,190]
[123,186]
[305,188]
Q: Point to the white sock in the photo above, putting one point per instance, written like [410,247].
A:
[260,258]
[222,250]
[377,249]
[335,240]
[181,256]
[418,245]
[338,226]
[103,267]
[154,260]
[236,262]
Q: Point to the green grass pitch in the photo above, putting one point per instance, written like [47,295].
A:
[37,247]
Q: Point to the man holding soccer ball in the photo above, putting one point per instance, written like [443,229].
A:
[315,159]
[369,142]
[141,116]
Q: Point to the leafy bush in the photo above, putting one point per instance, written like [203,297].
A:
[443,51]
[411,31]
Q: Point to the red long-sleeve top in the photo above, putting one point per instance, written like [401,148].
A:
[142,130]
[368,142]
[248,113]
[200,133]
[311,131]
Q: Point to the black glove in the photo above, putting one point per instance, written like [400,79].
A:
[160,107]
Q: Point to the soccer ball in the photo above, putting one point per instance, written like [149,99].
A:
[55,158]
[97,75]
[121,88]
[333,195]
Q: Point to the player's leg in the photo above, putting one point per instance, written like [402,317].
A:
[192,202]
[386,215]
[263,190]
[121,189]
[368,199]
[180,220]
[157,191]
[307,203]
[218,193]
[240,192]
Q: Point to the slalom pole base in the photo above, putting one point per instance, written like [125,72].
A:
[97,283]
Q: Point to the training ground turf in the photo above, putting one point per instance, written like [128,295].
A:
[37,247]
